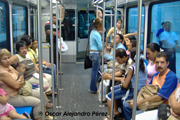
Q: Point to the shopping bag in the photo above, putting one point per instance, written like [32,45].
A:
[64,46]
[106,84]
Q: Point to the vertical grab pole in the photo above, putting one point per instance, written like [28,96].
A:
[103,50]
[60,50]
[137,59]
[52,53]
[114,53]
[40,58]
[97,10]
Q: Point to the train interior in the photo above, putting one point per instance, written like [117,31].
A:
[19,17]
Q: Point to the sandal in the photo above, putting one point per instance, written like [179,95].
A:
[106,118]
[93,92]
[50,93]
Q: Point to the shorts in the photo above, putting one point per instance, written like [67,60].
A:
[6,113]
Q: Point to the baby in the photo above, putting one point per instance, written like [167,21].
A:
[21,67]
[7,111]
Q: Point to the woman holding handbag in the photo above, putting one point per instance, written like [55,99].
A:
[94,56]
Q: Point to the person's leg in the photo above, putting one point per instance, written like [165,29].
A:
[127,111]
[5,118]
[94,71]
[14,115]
[49,79]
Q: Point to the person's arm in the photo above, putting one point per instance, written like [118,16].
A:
[174,103]
[14,59]
[128,78]
[49,32]
[106,76]
[126,35]
[16,84]
[108,35]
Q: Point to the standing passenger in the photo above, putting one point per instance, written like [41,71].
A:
[95,49]
[169,42]
[47,30]
[160,30]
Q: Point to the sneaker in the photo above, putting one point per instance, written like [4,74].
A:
[26,115]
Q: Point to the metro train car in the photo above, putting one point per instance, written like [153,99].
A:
[68,24]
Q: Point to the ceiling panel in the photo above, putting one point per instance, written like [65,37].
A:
[77,1]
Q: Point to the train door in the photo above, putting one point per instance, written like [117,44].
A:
[69,35]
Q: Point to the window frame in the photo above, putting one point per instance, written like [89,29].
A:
[7,24]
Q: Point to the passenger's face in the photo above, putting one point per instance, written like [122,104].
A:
[150,54]
[167,26]
[118,39]
[99,14]
[127,41]
[23,51]
[21,68]
[54,19]
[35,44]
[120,60]
[5,60]
[119,24]
[129,46]
[161,64]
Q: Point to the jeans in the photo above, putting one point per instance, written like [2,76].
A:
[120,93]
[95,58]
[48,71]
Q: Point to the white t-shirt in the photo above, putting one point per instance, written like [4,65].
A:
[169,39]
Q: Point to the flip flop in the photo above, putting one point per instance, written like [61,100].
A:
[49,105]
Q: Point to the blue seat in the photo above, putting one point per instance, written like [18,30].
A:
[21,110]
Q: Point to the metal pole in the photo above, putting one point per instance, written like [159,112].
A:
[29,21]
[11,27]
[103,50]
[40,59]
[97,10]
[52,54]
[114,53]
[60,68]
[57,55]
[137,58]
[34,20]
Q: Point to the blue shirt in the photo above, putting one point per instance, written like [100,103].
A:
[170,84]
[159,32]
[95,41]
[142,77]
[110,57]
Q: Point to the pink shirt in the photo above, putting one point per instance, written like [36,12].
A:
[3,108]
[151,71]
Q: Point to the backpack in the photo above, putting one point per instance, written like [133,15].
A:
[146,92]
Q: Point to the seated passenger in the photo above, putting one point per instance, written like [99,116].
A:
[7,111]
[120,92]
[11,81]
[165,79]
[32,55]
[119,40]
[174,102]
[152,49]
[30,73]
[131,43]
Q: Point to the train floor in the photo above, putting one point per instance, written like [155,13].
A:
[75,101]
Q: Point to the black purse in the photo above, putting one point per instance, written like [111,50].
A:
[163,112]
[87,61]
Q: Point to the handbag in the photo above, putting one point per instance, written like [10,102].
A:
[26,89]
[146,92]
[87,61]
[163,111]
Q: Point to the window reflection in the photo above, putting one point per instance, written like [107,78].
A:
[83,23]
[3,42]
[133,22]
[68,26]
[19,22]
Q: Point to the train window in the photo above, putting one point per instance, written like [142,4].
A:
[83,23]
[68,25]
[19,22]
[3,19]
[32,24]
[133,22]
[162,12]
